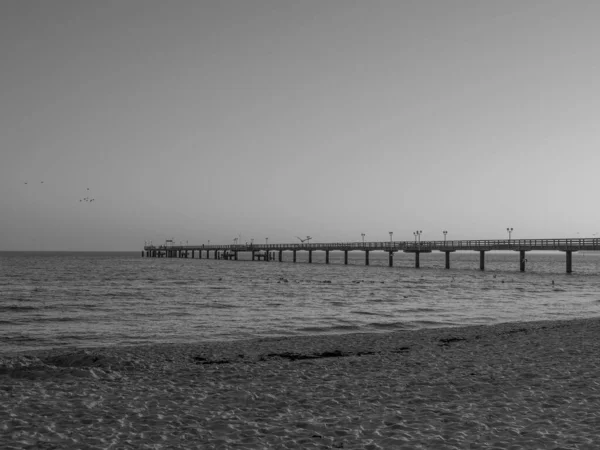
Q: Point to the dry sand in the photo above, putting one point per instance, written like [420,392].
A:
[527,385]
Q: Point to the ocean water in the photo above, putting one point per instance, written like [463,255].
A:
[85,300]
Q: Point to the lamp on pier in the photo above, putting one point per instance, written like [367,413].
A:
[510,230]
[266,241]
[363,238]
[391,233]
[445,233]
[418,235]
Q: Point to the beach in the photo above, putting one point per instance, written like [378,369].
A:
[517,385]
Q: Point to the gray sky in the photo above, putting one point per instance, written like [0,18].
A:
[204,120]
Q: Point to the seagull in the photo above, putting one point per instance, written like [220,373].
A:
[26,182]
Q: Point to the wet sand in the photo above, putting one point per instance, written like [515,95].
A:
[523,385]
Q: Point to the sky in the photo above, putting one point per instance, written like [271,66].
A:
[254,119]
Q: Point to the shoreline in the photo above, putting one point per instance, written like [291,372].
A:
[522,384]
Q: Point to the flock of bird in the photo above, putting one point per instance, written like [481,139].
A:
[85,199]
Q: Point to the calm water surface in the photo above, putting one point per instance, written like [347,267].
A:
[96,299]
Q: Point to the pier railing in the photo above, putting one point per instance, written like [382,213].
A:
[590,244]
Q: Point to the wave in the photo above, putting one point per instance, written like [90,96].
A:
[388,325]
[221,306]
[370,313]
[18,308]
[328,329]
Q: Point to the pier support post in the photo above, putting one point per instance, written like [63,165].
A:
[417,262]
[346,257]
[216,254]
[391,259]
[253,255]
[294,255]
[142,253]
[326,256]
[482,260]
[366,257]
[280,255]
[310,256]
[235,255]
[267,255]
[522,260]
[569,261]
[447,260]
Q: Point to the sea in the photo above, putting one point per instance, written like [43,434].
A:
[76,300]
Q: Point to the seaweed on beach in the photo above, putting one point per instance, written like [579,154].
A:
[327,354]
[201,360]
[299,356]
[448,341]
[401,350]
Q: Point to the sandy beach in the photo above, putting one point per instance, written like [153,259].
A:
[510,386]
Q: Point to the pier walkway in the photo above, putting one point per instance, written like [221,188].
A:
[269,252]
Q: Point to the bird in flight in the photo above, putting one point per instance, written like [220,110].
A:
[308,238]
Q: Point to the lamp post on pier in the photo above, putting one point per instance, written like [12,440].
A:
[418,236]
[363,238]
[445,233]
[510,230]
[391,233]
[266,241]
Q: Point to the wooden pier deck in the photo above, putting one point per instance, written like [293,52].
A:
[268,252]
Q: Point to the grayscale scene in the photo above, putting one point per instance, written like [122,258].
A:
[299,224]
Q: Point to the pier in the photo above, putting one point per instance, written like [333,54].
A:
[272,252]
